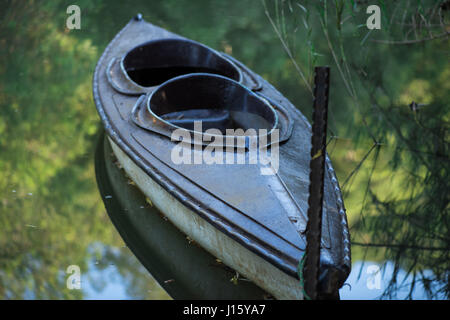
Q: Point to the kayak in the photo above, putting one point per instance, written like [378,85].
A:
[221,154]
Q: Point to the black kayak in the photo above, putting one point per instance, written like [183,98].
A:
[165,101]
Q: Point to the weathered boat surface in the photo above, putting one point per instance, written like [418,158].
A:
[253,223]
[181,267]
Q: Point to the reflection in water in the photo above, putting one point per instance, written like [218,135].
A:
[40,239]
[369,280]
[391,155]
[114,273]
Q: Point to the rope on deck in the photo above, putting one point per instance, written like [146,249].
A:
[300,276]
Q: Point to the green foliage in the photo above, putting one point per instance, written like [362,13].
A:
[389,127]
[50,212]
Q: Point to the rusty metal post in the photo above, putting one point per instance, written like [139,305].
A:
[316,181]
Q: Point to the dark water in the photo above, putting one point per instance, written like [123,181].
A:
[391,156]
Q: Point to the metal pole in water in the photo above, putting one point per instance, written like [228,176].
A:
[316,181]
